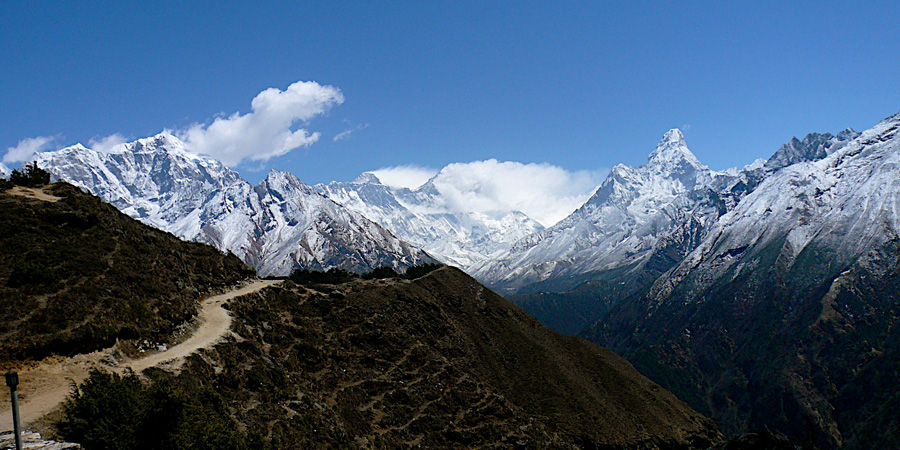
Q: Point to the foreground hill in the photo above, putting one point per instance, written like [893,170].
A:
[435,362]
[76,274]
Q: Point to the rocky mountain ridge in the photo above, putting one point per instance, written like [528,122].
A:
[421,218]
[276,226]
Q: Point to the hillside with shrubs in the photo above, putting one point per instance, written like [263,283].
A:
[76,274]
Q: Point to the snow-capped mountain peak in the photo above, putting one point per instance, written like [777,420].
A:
[420,217]
[621,224]
[4,171]
[672,149]
[366,178]
[276,226]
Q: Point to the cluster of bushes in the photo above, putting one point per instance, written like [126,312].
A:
[113,412]
[31,176]
[339,276]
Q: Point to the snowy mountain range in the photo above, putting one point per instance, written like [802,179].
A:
[635,216]
[640,216]
[276,226]
[421,218]
[283,223]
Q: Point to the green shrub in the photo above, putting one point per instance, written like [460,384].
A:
[32,176]
[113,412]
[420,270]
[381,273]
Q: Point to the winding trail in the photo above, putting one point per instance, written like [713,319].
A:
[45,385]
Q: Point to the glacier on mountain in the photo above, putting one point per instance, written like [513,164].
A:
[277,226]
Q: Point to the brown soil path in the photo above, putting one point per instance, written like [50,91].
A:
[35,193]
[46,384]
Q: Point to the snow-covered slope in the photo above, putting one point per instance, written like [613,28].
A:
[847,202]
[4,171]
[785,314]
[653,214]
[621,223]
[275,226]
[421,218]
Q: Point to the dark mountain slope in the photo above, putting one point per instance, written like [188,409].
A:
[436,362]
[76,274]
[786,316]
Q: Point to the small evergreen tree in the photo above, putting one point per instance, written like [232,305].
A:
[380,273]
[31,177]
[113,412]
[420,270]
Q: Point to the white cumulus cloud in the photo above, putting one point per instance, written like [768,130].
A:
[544,192]
[404,176]
[270,129]
[27,147]
[107,143]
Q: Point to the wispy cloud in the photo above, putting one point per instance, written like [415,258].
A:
[107,143]
[344,134]
[27,147]
[271,127]
[405,176]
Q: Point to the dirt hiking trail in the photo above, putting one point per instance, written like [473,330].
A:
[44,385]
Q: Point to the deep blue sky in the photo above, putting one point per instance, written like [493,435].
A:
[580,85]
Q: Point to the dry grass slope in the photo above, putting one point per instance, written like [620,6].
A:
[437,362]
[76,274]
